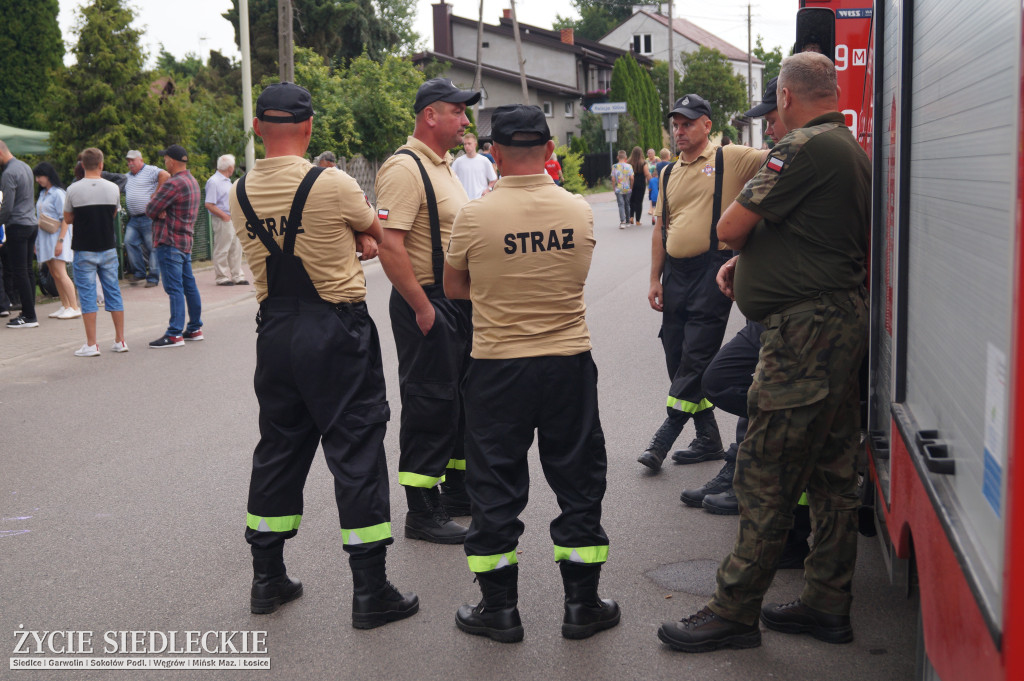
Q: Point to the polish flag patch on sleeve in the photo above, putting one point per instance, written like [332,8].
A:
[382,214]
[776,164]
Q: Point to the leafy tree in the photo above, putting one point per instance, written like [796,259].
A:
[708,73]
[631,83]
[659,75]
[572,163]
[772,59]
[337,30]
[188,67]
[591,133]
[333,124]
[106,99]
[381,96]
[31,49]
[597,17]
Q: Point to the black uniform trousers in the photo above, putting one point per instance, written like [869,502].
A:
[430,370]
[727,379]
[692,325]
[506,401]
[319,379]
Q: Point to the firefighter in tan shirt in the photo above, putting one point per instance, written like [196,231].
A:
[418,197]
[685,257]
[319,377]
[521,254]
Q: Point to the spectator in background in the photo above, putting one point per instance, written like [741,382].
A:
[227,251]
[325,160]
[142,182]
[174,208]
[485,151]
[640,177]
[622,185]
[91,205]
[18,215]
[553,168]
[474,171]
[54,248]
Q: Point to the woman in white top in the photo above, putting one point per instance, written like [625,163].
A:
[55,249]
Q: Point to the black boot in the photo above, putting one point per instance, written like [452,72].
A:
[375,601]
[453,493]
[662,441]
[716,485]
[428,520]
[708,443]
[585,612]
[271,585]
[496,616]
[723,503]
[796,549]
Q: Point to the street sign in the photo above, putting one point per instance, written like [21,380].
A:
[608,108]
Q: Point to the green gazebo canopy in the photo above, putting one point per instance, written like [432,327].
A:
[21,141]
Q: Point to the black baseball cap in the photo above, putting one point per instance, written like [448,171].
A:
[510,119]
[177,152]
[692,107]
[443,90]
[290,98]
[768,103]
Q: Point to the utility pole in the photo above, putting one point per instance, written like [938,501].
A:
[243,38]
[750,82]
[478,80]
[671,61]
[285,54]
[519,53]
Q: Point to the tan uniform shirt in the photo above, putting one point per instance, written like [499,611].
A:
[527,246]
[691,190]
[402,202]
[326,244]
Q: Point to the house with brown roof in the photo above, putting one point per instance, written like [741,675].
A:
[646,34]
[560,68]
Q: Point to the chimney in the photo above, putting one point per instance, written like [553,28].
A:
[443,29]
[567,36]
[506,14]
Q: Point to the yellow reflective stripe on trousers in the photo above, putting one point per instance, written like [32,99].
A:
[417,480]
[582,554]
[457,464]
[688,407]
[365,535]
[488,563]
[284,523]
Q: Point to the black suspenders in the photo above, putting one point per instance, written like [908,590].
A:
[716,202]
[436,250]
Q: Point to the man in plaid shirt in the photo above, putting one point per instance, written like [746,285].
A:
[173,208]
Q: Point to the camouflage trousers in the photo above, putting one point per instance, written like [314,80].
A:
[804,420]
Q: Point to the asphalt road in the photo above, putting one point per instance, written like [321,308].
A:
[122,507]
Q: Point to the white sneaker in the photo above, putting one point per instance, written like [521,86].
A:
[57,313]
[70,313]
[119,347]
[88,351]
[622,225]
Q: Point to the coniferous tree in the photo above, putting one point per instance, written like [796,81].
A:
[31,51]
[107,100]
[631,83]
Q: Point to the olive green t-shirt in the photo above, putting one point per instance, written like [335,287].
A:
[527,246]
[813,194]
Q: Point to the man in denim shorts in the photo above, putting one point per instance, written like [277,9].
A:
[90,206]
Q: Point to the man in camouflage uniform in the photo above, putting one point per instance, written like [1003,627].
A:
[801,223]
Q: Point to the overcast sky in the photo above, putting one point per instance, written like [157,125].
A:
[184,26]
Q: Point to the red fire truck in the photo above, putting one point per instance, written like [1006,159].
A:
[933,90]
